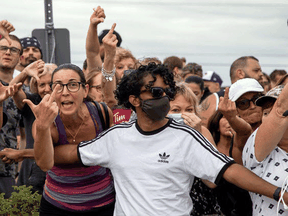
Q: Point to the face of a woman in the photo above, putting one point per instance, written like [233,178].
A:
[196,90]
[225,128]
[67,101]
[43,85]
[124,64]
[95,90]
[181,105]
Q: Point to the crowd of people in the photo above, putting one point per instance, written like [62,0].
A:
[128,136]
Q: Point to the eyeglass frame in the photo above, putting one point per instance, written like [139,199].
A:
[62,86]
[97,87]
[253,99]
[11,49]
[151,88]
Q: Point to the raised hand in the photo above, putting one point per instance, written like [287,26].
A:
[5,28]
[226,106]
[98,16]
[192,120]
[8,91]
[35,69]
[110,41]
[47,110]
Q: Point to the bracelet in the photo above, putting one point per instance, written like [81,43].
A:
[276,194]
[108,74]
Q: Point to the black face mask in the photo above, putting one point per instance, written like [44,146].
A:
[156,108]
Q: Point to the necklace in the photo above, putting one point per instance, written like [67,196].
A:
[74,137]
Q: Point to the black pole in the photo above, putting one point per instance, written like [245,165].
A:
[50,42]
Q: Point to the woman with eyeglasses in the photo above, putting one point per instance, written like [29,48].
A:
[244,93]
[71,189]
[94,80]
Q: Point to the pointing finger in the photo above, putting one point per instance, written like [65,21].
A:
[226,95]
[112,28]
[55,90]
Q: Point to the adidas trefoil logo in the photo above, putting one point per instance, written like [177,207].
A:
[164,158]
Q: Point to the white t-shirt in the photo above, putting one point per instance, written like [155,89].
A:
[153,171]
[273,169]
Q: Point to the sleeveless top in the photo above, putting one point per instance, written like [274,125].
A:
[234,201]
[75,187]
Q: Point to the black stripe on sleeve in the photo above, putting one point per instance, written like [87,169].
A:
[202,141]
[224,168]
[79,156]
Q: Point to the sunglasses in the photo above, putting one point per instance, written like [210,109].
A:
[245,104]
[158,92]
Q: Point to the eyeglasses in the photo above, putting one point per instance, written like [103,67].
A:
[71,86]
[97,87]
[158,92]
[245,104]
[13,50]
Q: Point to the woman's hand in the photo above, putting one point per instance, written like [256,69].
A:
[47,110]
[227,107]
[35,69]
[192,120]
[110,42]
[98,16]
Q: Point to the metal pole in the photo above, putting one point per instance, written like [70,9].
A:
[49,33]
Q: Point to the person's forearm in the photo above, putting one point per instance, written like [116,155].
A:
[66,154]
[240,126]
[93,48]
[244,178]
[20,78]
[27,153]
[269,134]
[109,86]
[43,147]
[19,96]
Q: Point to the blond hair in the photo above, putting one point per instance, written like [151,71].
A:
[122,53]
[184,90]
[48,69]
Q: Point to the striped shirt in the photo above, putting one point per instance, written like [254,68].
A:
[75,187]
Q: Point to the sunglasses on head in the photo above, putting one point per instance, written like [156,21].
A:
[158,92]
[245,103]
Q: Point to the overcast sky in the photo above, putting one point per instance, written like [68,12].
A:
[209,32]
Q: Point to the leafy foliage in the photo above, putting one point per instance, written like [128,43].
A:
[22,202]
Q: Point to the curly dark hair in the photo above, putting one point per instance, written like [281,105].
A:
[131,84]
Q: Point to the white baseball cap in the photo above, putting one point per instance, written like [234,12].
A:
[243,86]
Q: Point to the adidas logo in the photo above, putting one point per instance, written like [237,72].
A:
[163,158]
